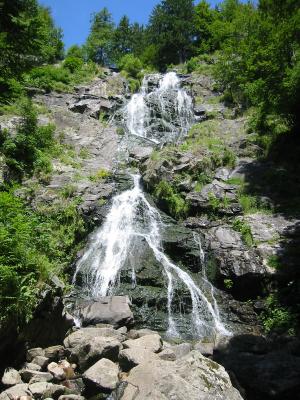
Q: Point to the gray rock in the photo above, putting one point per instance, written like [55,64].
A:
[167,355]
[103,375]
[32,353]
[130,358]
[138,333]
[141,153]
[228,238]
[33,367]
[56,371]
[86,347]
[152,343]
[55,352]
[193,377]
[222,173]
[181,350]
[11,377]
[41,361]
[88,334]
[206,349]
[15,392]
[35,376]
[46,389]
[113,310]
[71,397]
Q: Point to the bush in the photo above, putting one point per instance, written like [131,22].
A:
[130,64]
[73,63]
[26,151]
[48,78]
[33,245]
[174,203]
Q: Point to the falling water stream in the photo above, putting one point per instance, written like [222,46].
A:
[133,219]
[168,99]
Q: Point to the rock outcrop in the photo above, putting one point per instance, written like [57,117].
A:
[141,367]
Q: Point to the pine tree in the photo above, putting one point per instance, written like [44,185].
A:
[99,42]
[171,28]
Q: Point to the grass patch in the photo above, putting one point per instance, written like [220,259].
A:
[100,175]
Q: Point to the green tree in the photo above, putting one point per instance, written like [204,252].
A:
[203,20]
[259,63]
[28,37]
[99,42]
[122,38]
[171,28]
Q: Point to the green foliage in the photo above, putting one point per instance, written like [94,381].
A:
[171,28]
[245,229]
[278,318]
[259,62]
[100,175]
[33,245]
[98,46]
[28,37]
[174,203]
[61,78]
[73,63]
[228,283]
[130,64]
[252,204]
[26,152]
[274,262]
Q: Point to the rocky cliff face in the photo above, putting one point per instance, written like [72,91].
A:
[208,171]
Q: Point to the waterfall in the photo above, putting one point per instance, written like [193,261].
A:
[161,112]
[131,219]
[133,222]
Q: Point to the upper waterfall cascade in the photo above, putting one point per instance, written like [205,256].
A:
[162,111]
[133,222]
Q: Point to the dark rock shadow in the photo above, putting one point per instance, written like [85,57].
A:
[266,369]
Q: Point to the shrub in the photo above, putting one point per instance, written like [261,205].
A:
[175,204]
[26,151]
[48,77]
[101,174]
[130,64]
[277,317]
[73,63]
[33,245]
[245,230]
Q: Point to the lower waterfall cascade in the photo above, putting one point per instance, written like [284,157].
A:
[132,220]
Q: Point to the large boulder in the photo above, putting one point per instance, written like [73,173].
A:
[86,346]
[102,376]
[151,343]
[131,357]
[193,377]
[265,368]
[112,310]
[15,392]
[43,390]
[11,377]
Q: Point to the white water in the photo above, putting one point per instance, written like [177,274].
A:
[132,222]
[131,218]
[138,110]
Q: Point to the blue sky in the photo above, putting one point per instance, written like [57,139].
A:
[73,16]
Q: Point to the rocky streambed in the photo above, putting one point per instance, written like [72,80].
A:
[114,362]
